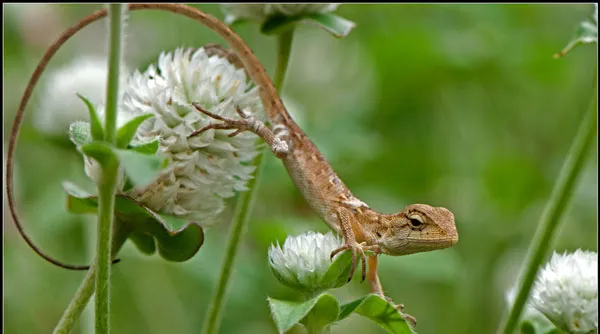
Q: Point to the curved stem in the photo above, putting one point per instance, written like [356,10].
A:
[107,186]
[555,207]
[245,202]
[86,289]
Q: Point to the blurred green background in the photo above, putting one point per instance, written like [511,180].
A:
[460,106]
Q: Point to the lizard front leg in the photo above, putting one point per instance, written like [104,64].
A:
[245,123]
[344,220]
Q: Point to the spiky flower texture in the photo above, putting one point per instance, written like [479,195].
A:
[566,291]
[202,170]
[205,169]
[303,261]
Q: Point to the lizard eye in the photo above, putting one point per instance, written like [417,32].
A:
[416,221]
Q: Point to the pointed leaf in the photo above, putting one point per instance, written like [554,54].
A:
[126,133]
[333,24]
[101,152]
[96,125]
[288,313]
[141,169]
[379,311]
[146,148]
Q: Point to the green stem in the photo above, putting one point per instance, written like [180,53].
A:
[245,203]
[107,186]
[284,48]
[562,193]
[86,289]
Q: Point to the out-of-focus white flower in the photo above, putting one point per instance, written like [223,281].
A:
[205,169]
[59,105]
[596,13]
[304,260]
[566,291]
[259,12]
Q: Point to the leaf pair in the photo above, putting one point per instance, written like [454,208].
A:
[324,309]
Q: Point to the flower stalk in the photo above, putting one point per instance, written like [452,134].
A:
[86,289]
[561,195]
[107,186]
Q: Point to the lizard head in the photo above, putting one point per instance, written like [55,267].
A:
[417,228]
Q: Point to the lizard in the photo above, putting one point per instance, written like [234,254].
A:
[416,228]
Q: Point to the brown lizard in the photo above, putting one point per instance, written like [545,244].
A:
[417,228]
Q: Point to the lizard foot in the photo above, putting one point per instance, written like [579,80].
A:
[245,123]
[356,249]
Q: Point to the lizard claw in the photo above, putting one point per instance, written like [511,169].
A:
[355,248]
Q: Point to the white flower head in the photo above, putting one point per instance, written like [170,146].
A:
[259,12]
[204,169]
[59,105]
[304,261]
[566,291]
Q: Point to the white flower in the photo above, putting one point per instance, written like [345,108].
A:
[205,169]
[59,105]
[259,12]
[566,291]
[304,260]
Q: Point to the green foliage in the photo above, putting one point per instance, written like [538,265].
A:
[323,310]
[178,240]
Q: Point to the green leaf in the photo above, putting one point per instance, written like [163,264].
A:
[141,169]
[176,239]
[324,313]
[333,24]
[101,152]
[339,271]
[379,311]
[144,242]
[126,133]
[96,125]
[150,147]
[78,200]
[286,314]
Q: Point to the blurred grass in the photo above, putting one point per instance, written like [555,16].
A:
[459,106]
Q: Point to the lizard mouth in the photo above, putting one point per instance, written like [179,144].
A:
[411,246]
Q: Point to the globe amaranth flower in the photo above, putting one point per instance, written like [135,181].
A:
[205,169]
[59,105]
[259,12]
[304,261]
[566,291]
